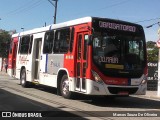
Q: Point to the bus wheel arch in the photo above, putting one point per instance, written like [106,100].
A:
[63,84]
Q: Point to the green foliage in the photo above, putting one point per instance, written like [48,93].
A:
[4,43]
[152,51]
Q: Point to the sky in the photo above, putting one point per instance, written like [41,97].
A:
[30,14]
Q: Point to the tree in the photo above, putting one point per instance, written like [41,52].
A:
[152,51]
[4,43]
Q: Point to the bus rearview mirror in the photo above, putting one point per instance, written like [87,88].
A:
[90,40]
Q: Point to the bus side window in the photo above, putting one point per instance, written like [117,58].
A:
[71,39]
[48,42]
[24,45]
[30,44]
[56,42]
[62,38]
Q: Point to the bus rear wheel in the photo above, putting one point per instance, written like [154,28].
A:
[23,81]
[64,87]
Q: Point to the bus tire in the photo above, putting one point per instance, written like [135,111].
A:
[64,87]
[23,81]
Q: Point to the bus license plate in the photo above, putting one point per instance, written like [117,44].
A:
[123,93]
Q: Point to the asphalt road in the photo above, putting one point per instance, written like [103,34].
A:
[21,107]
[15,98]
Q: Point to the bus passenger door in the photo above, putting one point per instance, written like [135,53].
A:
[81,62]
[14,57]
[37,58]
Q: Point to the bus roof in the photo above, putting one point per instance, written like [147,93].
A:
[54,26]
[61,25]
[15,35]
[72,22]
[36,30]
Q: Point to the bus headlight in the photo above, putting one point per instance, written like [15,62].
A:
[144,81]
[97,77]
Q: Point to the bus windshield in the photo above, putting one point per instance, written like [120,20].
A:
[119,54]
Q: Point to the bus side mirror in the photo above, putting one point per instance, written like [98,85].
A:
[90,40]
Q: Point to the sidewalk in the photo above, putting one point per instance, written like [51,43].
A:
[149,94]
[3,73]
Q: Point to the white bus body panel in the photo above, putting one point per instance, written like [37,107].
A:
[48,80]
[50,66]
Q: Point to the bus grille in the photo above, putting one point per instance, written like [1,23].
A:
[116,90]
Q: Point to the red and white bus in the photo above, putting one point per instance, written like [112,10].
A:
[93,56]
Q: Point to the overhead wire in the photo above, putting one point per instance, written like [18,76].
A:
[19,8]
[113,5]
[147,20]
[106,7]
[24,8]
[32,6]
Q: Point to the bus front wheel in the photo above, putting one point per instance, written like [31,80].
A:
[64,87]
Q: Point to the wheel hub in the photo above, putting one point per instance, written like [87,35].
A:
[65,87]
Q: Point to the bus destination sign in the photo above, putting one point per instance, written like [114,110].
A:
[116,26]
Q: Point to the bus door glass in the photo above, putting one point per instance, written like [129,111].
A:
[37,56]
[81,62]
[14,56]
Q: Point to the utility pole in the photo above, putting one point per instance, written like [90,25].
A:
[54,3]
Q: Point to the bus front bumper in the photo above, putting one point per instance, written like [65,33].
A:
[94,88]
